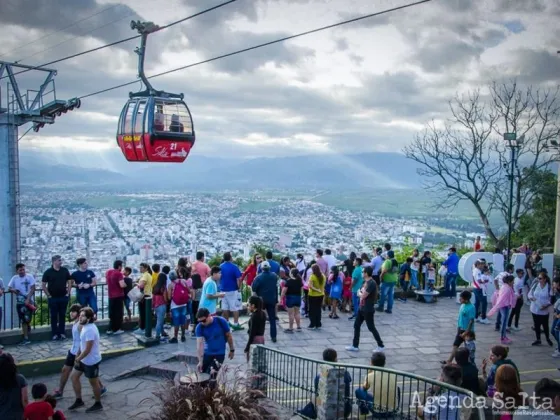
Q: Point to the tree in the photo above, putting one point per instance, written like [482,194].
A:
[467,159]
[536,227]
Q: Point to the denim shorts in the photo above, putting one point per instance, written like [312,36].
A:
[293,301]
[179,316]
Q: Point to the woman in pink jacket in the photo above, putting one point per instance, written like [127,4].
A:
[505,301]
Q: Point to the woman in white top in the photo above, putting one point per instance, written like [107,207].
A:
[518,285]
[539,296]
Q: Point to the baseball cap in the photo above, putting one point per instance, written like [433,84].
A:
[172,275]
[265,265]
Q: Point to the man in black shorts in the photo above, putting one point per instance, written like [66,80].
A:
[87,362]
[74,350]
[212,333]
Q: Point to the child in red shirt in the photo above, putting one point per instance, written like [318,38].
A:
[58,415]
[39,409]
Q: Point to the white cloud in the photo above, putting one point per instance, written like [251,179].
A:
[362,87]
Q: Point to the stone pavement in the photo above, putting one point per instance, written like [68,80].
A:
[47,349]
[417,336]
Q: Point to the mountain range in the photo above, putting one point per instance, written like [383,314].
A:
[368,170]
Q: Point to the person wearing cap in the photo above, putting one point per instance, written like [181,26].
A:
[212,334]
[22,285]
[266,287]
[57,286]
[452,264]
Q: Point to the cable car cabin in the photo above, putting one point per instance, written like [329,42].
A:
[153,129]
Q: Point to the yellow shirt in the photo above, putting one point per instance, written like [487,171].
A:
[384,389]
[147,279]
[314,282]
[154,279]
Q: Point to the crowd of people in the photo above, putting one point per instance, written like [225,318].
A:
[360,286]
[189,293]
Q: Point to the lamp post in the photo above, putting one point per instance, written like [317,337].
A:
[514,144]
[553,144]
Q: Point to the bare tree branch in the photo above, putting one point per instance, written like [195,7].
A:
[468,159]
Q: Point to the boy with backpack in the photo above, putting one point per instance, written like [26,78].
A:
[180,293]
[389,276]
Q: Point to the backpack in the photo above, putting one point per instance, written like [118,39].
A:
[181,294]
[394,266]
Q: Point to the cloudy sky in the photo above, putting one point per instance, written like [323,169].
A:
[367,86]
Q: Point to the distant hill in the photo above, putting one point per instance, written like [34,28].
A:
[42,174]
[372,170]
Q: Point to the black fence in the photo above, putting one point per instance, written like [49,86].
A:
[42,314]
[314,388]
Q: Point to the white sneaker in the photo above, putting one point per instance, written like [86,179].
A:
[515,328]
[556,353]
[118,332]
[379,349]
[352,348]
[484,321]
[477,320]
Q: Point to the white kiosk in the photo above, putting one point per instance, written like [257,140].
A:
[467,261]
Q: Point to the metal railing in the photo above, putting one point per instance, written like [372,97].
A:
[355,392]
[42,317]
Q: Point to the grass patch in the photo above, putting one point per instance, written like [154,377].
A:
[116,202]
[249,206]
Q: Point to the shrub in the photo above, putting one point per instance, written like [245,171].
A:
[228,400]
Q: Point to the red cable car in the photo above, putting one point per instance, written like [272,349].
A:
[154,126]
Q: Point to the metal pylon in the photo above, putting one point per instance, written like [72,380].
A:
[18,107]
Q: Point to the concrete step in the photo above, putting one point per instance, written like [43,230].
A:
[169,369]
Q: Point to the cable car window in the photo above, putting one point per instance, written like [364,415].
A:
[128,118]
[139,122]
[172,116]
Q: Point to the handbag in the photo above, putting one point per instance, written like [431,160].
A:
[136,294]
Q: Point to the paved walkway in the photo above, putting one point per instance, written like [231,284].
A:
[48,349]
[417,336]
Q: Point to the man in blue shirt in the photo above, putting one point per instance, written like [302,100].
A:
[85,281]
[274,266]
[452,264]
[230,285]
[212,332]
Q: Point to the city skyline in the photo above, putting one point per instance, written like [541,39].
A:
[162,227]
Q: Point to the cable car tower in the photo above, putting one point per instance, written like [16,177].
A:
[17,108]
